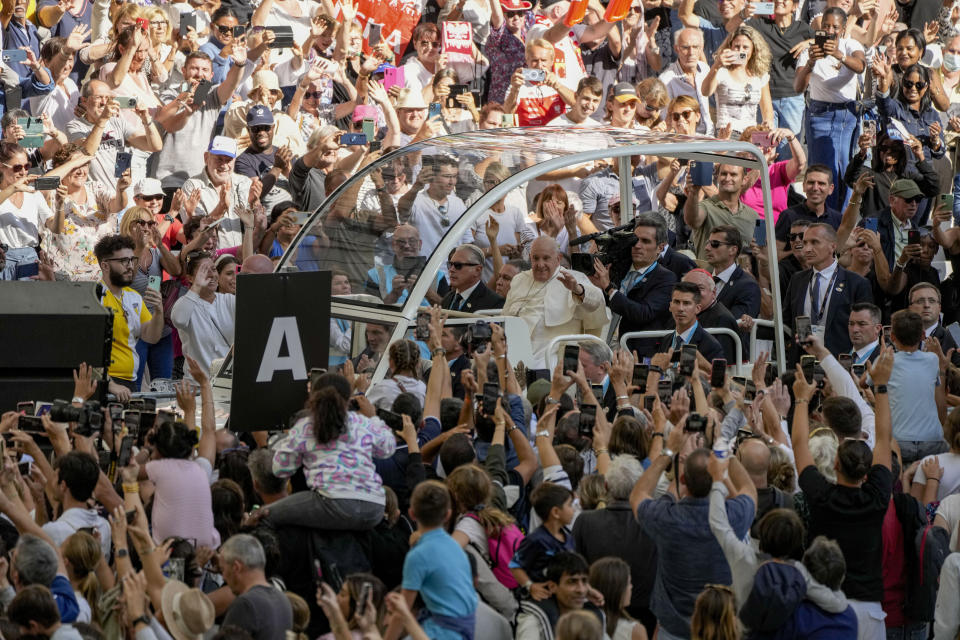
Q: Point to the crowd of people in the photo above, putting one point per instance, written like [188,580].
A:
[165,150]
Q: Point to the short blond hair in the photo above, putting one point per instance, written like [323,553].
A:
[540,43]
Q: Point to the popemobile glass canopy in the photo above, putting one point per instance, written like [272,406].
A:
[353,230]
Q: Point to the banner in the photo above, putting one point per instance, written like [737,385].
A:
[397,17]
[457,41]
[283,331]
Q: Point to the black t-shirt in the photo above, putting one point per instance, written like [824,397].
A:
[853,516]
[783,66]
[264,612]
[253,164]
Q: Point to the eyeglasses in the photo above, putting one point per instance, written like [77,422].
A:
[929,301]
[146,223]
[124,262]
[435,44]
[260,128]
[686,115]
[716,244]
[159,23]
[406,242]
[151,198]
[313,95]
[461,265]
[918,85]
[16,168]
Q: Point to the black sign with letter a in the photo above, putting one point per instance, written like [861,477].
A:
[283,330]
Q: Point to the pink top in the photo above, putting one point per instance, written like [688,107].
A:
[779,188]
[182,505]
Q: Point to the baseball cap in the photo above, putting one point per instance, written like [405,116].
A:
[223,146]
[148,187]
[905,189]
[383,67]
[624,91]
[362,111]
[259,115]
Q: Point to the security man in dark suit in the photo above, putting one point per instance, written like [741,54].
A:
[925,300]
[467,291]
[736,289]
[713,315]
[825,291]
[684,307]
[866,332]
[675,261]
[642,296]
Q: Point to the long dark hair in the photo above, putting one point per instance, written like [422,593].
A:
[328,406]
[920,70]
[889,145]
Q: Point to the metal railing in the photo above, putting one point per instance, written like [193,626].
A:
[550,355]
[659,333]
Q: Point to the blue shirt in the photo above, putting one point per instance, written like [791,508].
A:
[912,389]
[437,567]
[534,553]
[18,35]
[916,122]
[372,285]
[221,65]
[29,86]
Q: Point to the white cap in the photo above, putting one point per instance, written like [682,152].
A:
[148,187]
[223,146]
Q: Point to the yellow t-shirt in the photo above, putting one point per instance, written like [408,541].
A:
[129,315]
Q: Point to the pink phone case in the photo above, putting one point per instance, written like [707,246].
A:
[394,78]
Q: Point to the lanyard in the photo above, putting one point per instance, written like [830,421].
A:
[822,307]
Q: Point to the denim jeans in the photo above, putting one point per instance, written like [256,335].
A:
[21,255]
[310,509]
[158,357]
[831,130]
[909,631]
[917,450]
[956,200]
[788,114]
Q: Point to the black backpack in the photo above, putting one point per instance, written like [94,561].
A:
[925,549]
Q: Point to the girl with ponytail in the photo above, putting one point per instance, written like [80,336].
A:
[404,362]
[336,447]
[81,555]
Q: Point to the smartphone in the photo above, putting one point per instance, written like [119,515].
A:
[46,183]
[116,411]
[871,224]
[534,75]
[25,408]
[25,468]
[239,31]
[597,392]
[369,128]
[456,90]
[665,391]
[648,402]
[688,358]
[749,392]
[315,374]
[353,139]
[30,125]
[14,55]
[763,8]
[435,110]
[135,403]
[695,423]
[760,139]
[954,330]
[807,364]
[42,408]
[147,421]
[845,360]
[718,373]
[583,262]
[30,424]
[422,332]
[31,141]
[508,120]
[283,36]
[131,420]
[858,369]
[394,78]
[886,334]
[124,158]
[946,201]
[913,236]
[301,217]
[391,419]
[188,21]
[174,569]
[820,38]
[701,173]
[367,587]
[126,450]
[870,128]
[13,97]
[26,270]
[143,23]
[819,375]
[588,418]
[153,282]
[373,35]
[571,358]
[804,329]
[126,102]
[491,391]
[640,373]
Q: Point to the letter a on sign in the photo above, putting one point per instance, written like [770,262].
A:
[283,330]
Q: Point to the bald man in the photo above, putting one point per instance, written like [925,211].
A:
[256,263]
[554,301]
[754,455]
[714,315]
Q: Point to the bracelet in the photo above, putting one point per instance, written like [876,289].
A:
[132,487]
[931,478]
[657,433]
[439,351]
[543,433]
[799,400]
[600,452]
[623,398]
[502,355]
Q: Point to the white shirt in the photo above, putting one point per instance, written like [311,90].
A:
[825,276]
[206,328]
[20,226]
[724,276]
[72,520]
[831,80]
[464,295]
[567,61]
[563,121]
[860,355]
[675,80]
[425,215]
[229,232]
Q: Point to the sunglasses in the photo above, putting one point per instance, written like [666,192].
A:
[17,167]
[796,236]
[151,198]
[716,244]
[224,28]
[313,95]
[918,85]
[461,265]
[686,115]
[389,176]
[146,223]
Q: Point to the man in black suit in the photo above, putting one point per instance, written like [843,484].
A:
[736,289]
[642,298]
[826,291]
[865,328]
[684,307]
[676,262]
[457,360]
[467,291]
[925,300]
[713,315]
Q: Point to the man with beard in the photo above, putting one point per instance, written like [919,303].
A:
[262,160]
[132,319]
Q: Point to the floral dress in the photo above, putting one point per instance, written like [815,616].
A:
[83,225]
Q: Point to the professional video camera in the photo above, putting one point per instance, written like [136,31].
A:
[612,244]
[476,337]
[89,417]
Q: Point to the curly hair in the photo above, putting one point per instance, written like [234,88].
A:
[759,62]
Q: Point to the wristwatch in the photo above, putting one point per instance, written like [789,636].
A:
[666,452]
[657,433]
[140,619]
[880,388]
[552,401]
[122,553]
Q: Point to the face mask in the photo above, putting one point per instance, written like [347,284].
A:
[951,61]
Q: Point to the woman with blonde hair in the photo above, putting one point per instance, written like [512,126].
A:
[81,555]
[739,76]
[162,52]
[653,99]
[578,625]
[715,615]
